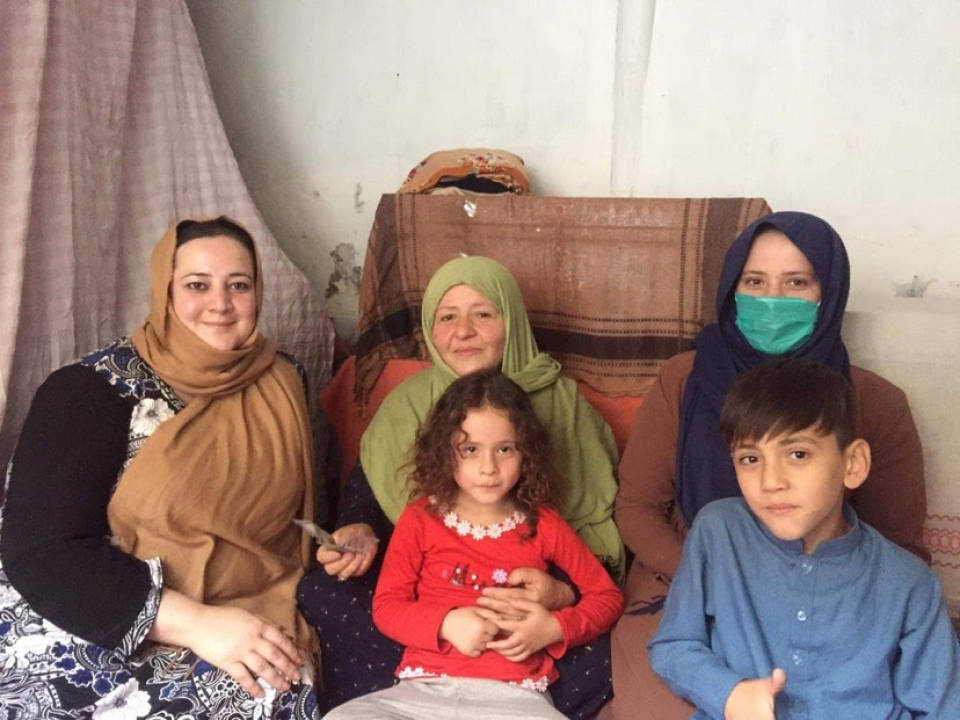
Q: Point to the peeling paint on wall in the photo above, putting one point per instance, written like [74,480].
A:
[915,288]
[346,272]
[357,202]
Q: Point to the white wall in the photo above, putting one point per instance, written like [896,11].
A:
[329,104]
[916,345]
[848,110]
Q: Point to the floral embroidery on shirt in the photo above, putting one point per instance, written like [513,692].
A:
[410,672]
[462,577]
[148,414]
[540,685]
[479,532]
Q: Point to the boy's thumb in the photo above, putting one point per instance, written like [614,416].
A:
[778,680]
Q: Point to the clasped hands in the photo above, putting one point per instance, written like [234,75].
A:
[515,621]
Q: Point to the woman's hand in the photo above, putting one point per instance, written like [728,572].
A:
[244,645]
[467,630]
[348,564]
[527,584]
[531,629]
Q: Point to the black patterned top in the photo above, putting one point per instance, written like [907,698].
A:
[74,609]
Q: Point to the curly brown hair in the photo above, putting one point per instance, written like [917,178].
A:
[435,460]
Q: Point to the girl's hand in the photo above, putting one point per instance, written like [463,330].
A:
[244,645]
[527,584]
[531,629]
[755,699]
[348,564]
[467,630]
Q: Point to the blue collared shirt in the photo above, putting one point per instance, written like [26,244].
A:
[860,626]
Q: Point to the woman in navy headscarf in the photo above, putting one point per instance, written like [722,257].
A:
[782,293]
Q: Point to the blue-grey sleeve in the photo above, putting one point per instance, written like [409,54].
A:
[926,677]
[680,651]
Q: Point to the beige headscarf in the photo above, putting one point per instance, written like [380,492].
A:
[213,492]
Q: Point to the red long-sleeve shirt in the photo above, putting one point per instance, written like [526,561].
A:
[430,569]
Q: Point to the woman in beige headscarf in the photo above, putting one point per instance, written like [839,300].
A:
[147,524]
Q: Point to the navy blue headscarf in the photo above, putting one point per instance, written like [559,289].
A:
[704,468]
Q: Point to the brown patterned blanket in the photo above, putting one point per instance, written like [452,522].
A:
[613,286]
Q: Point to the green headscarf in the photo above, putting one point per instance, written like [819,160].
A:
[584,449]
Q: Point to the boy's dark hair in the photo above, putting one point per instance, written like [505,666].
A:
[785,396]
[188,230]
[434,455]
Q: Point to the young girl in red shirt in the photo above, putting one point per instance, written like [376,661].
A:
[484,492]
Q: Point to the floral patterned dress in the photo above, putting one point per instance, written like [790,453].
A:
[48,672]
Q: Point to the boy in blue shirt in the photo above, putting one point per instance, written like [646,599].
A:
[785,605]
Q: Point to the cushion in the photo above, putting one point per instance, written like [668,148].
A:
[349,420]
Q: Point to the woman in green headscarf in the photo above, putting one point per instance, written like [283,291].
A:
[473,317]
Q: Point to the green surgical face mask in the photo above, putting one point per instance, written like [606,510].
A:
[775,325]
